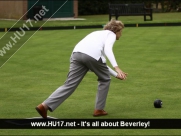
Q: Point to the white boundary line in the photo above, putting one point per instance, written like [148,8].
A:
[18,20]
[34,33]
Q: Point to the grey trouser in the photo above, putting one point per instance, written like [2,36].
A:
[80,64]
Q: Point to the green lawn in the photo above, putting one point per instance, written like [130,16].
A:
[150,56]
[98,20]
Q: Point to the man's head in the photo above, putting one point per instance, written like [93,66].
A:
[115,26]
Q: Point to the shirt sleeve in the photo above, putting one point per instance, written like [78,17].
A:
[112,72]
[111,38]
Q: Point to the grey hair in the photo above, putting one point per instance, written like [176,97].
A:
[114,26]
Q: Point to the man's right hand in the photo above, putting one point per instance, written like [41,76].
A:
[121,75]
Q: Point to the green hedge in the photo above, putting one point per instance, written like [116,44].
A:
[95,7]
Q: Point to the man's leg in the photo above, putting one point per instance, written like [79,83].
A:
[102,72]
[76,73]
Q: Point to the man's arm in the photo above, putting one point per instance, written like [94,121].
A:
[112,72]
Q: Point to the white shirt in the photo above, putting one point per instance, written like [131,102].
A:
[99,44]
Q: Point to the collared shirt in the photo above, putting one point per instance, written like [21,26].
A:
[98,44]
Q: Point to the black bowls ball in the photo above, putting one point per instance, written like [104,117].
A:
[158,103]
